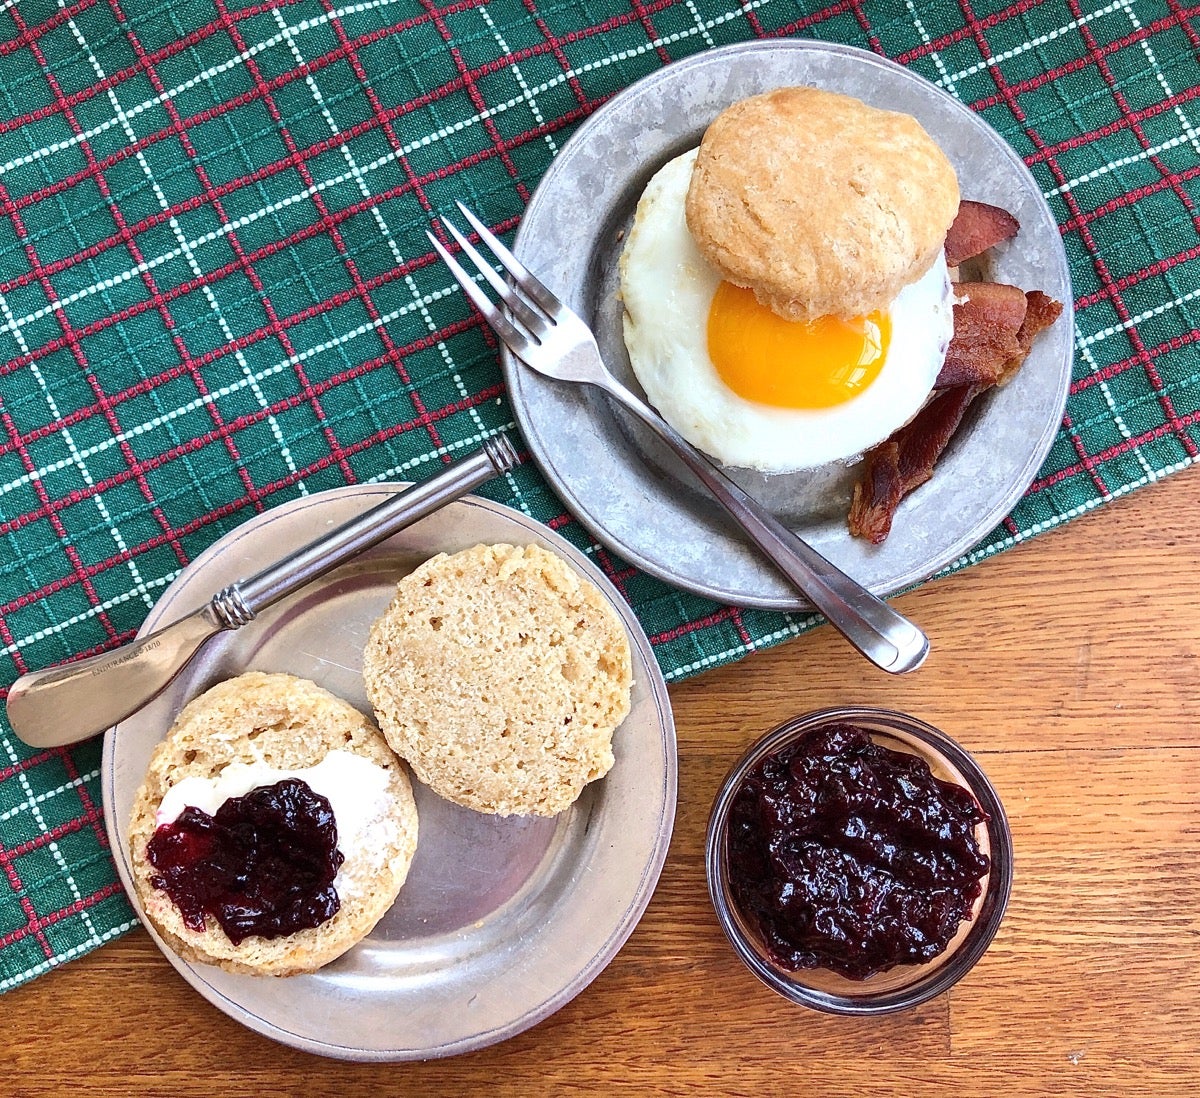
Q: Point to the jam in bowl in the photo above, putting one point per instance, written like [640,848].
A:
[859,861]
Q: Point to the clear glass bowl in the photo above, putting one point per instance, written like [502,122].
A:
[903,986]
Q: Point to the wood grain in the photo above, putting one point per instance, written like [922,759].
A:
[1068,666]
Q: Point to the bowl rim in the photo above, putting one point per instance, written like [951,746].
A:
[986,921]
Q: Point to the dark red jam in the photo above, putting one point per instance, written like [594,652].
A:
[853,857]
[263,864]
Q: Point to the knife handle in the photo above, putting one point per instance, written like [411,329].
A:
[62,705]
[241,601]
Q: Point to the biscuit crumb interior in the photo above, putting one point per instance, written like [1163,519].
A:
[500,674]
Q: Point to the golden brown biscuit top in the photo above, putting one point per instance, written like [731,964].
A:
[818,202]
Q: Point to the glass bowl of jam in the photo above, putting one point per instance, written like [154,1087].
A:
[859,860]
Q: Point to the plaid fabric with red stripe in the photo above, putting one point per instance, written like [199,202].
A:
[215,293]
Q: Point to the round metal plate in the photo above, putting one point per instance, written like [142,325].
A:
[501,921]
[618,480]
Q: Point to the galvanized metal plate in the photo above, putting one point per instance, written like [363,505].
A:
[625,487]
[501,921]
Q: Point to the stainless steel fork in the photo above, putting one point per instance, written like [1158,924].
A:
[550,339]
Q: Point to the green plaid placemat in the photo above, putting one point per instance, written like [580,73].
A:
[216,295]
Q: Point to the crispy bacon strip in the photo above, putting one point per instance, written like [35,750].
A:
[924,437]
[905,461]
[1041,311]
[994,327]
[877,493]
[987,318]
[976,228]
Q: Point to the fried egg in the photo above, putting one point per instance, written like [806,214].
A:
[749,388]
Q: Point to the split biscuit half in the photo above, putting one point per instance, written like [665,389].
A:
[499,673]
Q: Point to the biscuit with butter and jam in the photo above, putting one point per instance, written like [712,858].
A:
[274,828]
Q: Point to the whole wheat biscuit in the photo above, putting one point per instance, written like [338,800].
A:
[500,674]
[818,202]
[287,723]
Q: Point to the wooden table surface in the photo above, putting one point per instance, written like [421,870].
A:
[1068,666]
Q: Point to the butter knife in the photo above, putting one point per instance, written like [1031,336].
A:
[64,704]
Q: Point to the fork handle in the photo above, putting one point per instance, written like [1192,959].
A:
[884,636]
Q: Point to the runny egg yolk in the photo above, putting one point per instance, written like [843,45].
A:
[764,358]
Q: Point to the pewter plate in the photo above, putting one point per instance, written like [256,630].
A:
[625,487]
[501,921]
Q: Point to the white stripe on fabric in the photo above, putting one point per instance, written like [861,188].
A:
[33,802]
[196,269]
[471,443]
[1034,43]
[944,79]
[1161,76]
[86,615]
[78,461]
[1134,321]
[530,98]
[66,955]
[1114,411]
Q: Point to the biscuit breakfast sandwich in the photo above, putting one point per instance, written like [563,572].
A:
[788,291]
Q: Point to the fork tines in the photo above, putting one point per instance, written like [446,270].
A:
[536,324]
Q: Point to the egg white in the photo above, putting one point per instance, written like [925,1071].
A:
[667,287]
